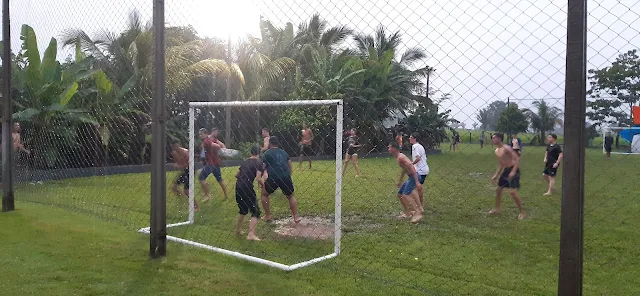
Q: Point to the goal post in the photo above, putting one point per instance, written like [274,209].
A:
[192,220]
[628,140]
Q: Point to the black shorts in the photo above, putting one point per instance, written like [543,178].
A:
[184,179]
[352,151]
[246,200]
[285,184]
[549,170]
[504,181]
[607,149]
[306,150]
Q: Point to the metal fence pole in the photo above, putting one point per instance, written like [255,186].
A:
[158,226]
[8,203]
[571,225]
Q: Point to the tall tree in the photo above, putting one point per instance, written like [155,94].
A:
[512,120]
[488,116]
[615,90]
[544,120]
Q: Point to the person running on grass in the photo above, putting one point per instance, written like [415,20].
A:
[306,149]
[265,141]
[608,144]
[352,152]
[211,146]
[251,169]
[419,156]
[552,158]
[407,191]
[278,166]
[181,162]
[507,176]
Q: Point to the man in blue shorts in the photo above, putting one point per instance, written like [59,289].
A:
[278,166]
[409,197]
[211,145]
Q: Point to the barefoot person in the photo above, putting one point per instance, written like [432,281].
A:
[251,169]
[508,174]
[278,166]
[17,140]
[407,191]
[265,141]
[552,159]
[306,149]
[181,161]
[419,156]
[352,152]
[211,146]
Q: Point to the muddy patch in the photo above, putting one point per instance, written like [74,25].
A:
[317,228]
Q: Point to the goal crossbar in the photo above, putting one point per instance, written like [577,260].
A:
[338,181]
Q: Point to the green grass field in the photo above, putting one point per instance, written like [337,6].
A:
[74,249]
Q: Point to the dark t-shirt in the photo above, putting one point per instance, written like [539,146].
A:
[553,153]
[276,161]
[247,172]
[608,141]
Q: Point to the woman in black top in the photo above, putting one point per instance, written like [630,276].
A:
[352,152]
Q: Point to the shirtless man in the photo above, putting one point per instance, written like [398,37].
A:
[305,145]
[211,145]
[265,143]
[181,161]
[507,175]
[17,140]
[408,194]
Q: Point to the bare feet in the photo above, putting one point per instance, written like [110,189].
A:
[297,220]
[206,198]
[267,219]
[238,233]
[493,212]
[417,217]
[253,238]
[547,193]
[522,216]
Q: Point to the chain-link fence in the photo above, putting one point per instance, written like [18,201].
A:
[445,83]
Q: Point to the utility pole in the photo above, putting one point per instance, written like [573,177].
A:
[227,130]
[8,203]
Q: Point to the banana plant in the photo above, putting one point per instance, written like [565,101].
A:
[44,98]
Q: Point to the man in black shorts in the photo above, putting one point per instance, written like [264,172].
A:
[552,159]
[278,166]
[508,174]
[181,161]
[250,170]
[608,144]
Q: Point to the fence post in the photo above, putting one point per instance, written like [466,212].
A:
[8,203]
[158,226]
[571,225]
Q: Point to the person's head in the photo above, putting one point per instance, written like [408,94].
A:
[394,148]
[497,138]
[608,134]
[552,138]
[214,132]
[265,132]
[16,127]
[413,138]
[273,142]
[483,132]
[353,131]
[304,125]
[255,150]
[175,144]
[203,133]
[515,135]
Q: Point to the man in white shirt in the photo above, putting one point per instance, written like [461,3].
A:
[419,157]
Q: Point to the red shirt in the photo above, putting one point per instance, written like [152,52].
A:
[211,156]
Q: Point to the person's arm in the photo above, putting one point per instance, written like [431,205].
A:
[557,164]
[290,165]
[265,145]
[221,145]
[516,163]
[545,156]
[259,178]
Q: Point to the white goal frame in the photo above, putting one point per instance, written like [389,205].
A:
[619,129]
[338,189]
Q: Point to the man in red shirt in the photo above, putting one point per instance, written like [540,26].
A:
[211,145]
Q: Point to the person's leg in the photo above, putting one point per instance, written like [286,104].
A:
[345,163]
[255,215]
[518,201]
[217,173]
[308,154]
[293,206]
[195,202]
[421,191]
[552,185]
[286,185]
[497,208]
[175,189]
[252,229]
[419,214]
[355,165]
[270,187]
[239,225]
[204,173]
[407,209]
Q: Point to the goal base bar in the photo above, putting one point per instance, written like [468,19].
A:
[277,265]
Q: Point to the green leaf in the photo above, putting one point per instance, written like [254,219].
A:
[131,82]
[49,63]
[103,83]
[30,48]
[26,114]
[68,93]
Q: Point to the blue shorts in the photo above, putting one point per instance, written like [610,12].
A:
[208,170]
[409,185]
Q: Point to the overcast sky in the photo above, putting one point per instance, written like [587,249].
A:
[482,50]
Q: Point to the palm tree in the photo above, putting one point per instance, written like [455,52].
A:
[544,120]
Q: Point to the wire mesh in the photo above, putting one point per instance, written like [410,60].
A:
[451,73]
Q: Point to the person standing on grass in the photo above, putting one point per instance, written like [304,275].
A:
[181,162]
[265,141]
[17,140]
[211,146]
[251,169]
[278,166]
[608,144]
[419,156]
[407,192]
[306,142]
[507,176]
[482,136]
[552,158]
[352,152]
